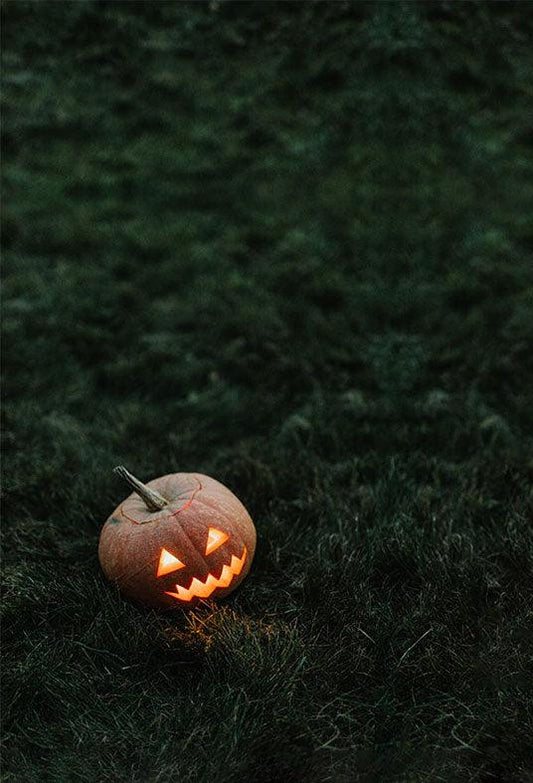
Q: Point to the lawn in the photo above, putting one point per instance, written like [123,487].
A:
[287,245]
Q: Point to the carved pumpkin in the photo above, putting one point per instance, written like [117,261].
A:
[177,540]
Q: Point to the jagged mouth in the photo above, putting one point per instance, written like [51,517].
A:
[199,589]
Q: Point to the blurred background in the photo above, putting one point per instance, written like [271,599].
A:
[288,245]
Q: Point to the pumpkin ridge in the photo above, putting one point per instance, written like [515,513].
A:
[227,515]
[188,503]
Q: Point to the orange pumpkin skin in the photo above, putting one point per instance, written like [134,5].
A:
[200,546]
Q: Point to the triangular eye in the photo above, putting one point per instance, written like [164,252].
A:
[215,538]
[168,563]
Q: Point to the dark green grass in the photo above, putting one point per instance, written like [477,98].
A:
[288,245]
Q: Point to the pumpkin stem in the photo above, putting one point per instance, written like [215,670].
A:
[154,501]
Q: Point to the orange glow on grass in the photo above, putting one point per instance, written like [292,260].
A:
[199,589]
[168,563]
[215,538]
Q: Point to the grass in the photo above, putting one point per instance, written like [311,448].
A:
[287,245]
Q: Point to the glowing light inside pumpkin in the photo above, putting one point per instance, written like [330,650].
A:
[215,538]
[199,589]
[168,563]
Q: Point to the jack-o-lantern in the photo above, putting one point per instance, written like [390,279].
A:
[177,540]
